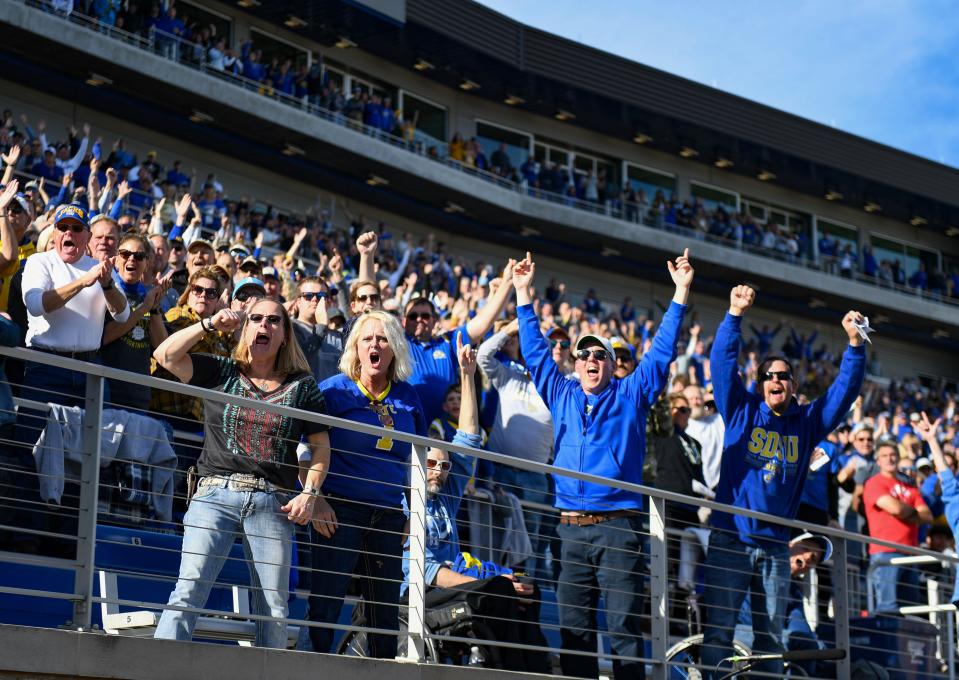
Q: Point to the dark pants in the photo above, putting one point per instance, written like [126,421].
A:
[607,559]
[368,543]
[496,608]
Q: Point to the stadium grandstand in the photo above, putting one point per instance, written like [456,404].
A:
[402,332]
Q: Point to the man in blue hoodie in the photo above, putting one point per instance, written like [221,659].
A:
[767,450]
[600,429]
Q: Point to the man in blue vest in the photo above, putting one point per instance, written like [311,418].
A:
[599,428]
[768,444]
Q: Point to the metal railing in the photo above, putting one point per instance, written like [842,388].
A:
[668,652]
[171,46]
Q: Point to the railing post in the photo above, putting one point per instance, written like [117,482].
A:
[89,496]
[840,596]
[416,612]
[658,587]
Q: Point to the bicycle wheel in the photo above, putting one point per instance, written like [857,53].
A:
[685,657]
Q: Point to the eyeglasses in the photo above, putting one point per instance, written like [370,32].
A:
[245,295]
[222,249]
[272,319]
[443,465]
[139,256]
[623,358]
[237,253]
[778,375]
[372,298]
[419,316]
[250,268]
[598,354]
[309,295]
[176,246]
[561,343]
[210,293]
[682,410]
[73,226]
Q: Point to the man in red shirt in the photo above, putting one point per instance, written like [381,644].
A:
[894,511]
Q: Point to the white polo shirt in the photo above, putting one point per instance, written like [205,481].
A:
[78,325]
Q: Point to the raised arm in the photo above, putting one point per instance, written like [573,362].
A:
[8,239]
[174,352]
[486,356]
[728,388]
[927,431]
[547,377]
[479,325]
[366,244]
[650,377]
[832,407]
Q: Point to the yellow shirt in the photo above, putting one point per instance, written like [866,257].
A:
[8,272]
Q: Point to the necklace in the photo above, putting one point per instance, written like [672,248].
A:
[382,411]
[264,384]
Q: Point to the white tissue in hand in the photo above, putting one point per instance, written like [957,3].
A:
[864,329]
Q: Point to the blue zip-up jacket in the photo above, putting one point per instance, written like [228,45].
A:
[950,500]
[765,454]
[611,440]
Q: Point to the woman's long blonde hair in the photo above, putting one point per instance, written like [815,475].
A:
[289,358]
[402,366]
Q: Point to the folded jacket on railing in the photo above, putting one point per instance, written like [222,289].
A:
[126,437]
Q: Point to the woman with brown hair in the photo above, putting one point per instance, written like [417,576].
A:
[248,466]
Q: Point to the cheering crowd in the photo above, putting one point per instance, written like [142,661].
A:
[172,279]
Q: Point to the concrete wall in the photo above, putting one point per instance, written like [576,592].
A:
[34,653]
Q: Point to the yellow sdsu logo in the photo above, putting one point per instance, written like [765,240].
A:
[774,445]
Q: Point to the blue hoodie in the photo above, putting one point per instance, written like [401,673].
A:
[765,454]
[950,499]
[611,440]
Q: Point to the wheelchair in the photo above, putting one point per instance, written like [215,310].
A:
[688,652]
[455,619]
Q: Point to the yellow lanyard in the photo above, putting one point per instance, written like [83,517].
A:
[382,412]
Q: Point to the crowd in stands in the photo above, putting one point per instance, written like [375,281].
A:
[143,252]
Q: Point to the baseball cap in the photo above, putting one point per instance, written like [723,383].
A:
[824,543]
[335,312]
[248,281]
[619,344]
[239,248]
[914,417]
[201,242]
[71,212]
[604,342]
[923,462]
[556,330]
[270,271]
[249,259]
[23,201]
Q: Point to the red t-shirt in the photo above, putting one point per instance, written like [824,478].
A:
[883,525]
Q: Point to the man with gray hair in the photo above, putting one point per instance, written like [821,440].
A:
[708,429]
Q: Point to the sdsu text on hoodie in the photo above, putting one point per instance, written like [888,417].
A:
[765,454]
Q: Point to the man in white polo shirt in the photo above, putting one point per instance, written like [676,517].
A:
[67,294]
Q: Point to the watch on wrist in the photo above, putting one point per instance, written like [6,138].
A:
[109,287]
[311,490]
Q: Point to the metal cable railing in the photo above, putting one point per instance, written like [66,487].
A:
[127,579]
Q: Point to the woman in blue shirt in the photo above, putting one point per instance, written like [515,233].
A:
[366,482]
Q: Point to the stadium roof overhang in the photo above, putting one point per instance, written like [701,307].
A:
[461,41]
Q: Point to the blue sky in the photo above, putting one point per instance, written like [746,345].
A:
[883,69]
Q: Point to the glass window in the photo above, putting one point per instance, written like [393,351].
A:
[713,197]
[430,119]
[908,257]
[844,235]
[273,47]
[200,18]
[491,136]
[335,78]
[650,181]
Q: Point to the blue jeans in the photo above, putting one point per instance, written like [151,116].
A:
[734,569]
[368,543]
[215,518]
[607,559]
[891,585]
[533,487]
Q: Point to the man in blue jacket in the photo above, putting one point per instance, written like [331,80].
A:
[767,449]
[599,428]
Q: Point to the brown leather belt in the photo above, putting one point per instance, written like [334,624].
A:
[588,519]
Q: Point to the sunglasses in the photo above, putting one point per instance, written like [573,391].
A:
[245,295]
[309,295]
[623,358]
[176,246]
[222,249]
[682,410]
[372,297]
[778,375]
[272,319]
[127,254]
[237,253]
[74,227]
[209,293]
[419,316]
[561,343]
[249,268]
[598,354]
[443,465]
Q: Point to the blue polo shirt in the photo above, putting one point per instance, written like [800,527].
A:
[435,368]
[364,467]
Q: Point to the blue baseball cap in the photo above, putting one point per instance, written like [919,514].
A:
[71,212]
[249,281]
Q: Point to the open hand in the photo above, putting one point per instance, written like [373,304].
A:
[927,430]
